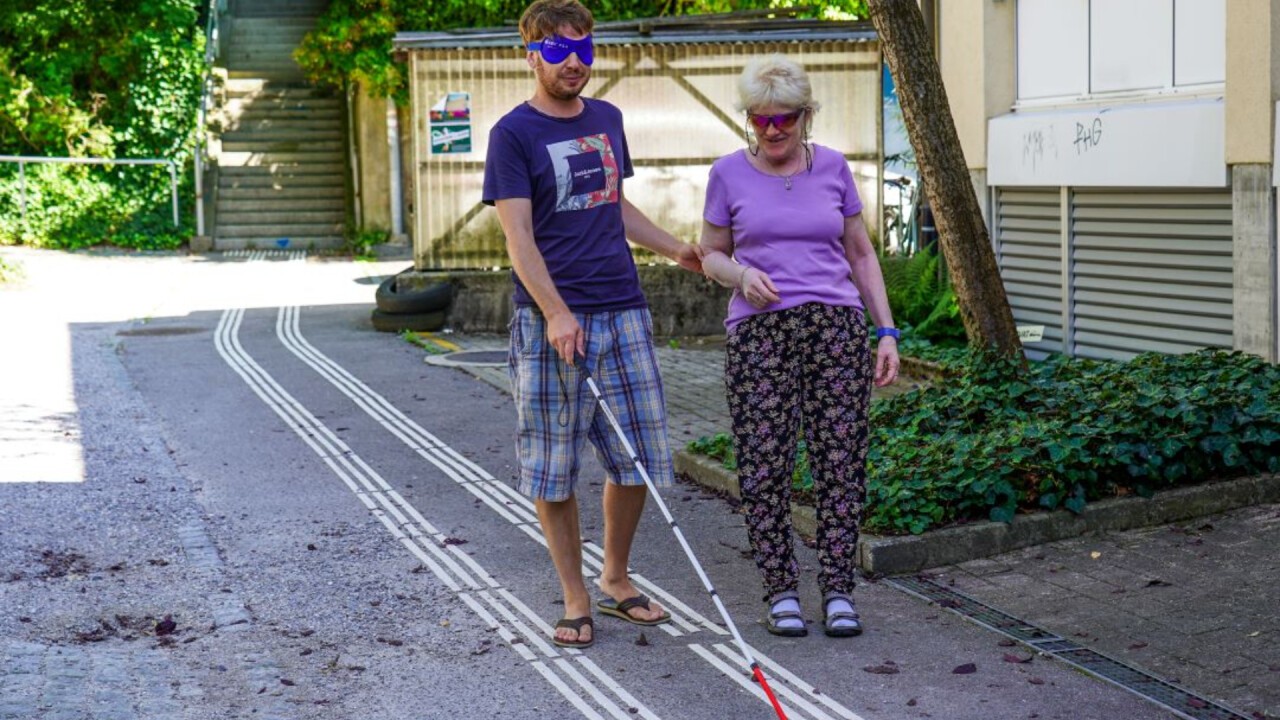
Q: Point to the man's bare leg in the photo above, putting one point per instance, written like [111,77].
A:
[622,507]
[564,541]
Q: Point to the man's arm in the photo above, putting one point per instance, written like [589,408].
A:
[563,331]
[641,231]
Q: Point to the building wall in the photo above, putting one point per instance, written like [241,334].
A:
[976,54]
[1253,74]
[373,161]
[1106,131]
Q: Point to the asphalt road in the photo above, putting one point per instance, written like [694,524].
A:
[328,524]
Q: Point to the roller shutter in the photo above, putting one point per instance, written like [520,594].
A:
[1150,271]
[1029,248]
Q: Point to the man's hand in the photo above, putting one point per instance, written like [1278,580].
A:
[566,336]
[689,257]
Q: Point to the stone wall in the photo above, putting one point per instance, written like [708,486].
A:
[681,302]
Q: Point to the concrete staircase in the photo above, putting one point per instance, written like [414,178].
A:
[281,167]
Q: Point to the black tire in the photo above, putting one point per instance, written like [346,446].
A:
[417,322]
[397,300]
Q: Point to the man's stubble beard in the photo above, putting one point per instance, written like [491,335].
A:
[549,80]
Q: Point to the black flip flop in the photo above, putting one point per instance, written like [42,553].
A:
[576,625]
[620,610]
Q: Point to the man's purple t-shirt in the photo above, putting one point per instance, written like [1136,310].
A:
[794,236]
[571,170]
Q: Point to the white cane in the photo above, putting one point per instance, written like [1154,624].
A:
[706,582]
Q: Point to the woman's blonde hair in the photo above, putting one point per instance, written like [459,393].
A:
[774,80]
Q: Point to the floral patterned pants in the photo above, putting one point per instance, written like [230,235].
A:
[807,366]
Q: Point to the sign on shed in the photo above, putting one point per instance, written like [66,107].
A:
[451,124]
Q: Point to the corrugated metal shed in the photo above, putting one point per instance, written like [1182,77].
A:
[675,81]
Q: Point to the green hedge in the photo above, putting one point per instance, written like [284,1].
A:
[85,205]
[352,42]
[98,78]
[994,441]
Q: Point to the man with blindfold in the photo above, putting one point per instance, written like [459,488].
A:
[554,172]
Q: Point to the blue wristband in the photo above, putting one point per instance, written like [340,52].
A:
[885,332]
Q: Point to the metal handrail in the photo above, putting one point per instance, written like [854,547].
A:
[210,54]
[22,161]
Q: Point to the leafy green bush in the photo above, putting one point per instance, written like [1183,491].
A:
[720,447]
[921,298]
[10,271]
[360,242]
[76,206]
[997,440]
[353,40]
[109,78]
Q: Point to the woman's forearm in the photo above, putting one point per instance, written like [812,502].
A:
[720,267]
[870,283]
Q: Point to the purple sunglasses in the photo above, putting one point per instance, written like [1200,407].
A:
[783,121]
[556,49]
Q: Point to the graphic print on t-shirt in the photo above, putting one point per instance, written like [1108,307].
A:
[586,172]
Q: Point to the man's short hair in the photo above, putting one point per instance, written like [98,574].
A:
[546,17]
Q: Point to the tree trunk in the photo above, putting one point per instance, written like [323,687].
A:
[984,307]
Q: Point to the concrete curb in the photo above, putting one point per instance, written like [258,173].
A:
[892,555]
[923,369]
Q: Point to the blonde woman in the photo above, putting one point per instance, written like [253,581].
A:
[783,228]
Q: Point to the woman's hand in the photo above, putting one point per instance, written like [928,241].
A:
[886,361]
[757,288]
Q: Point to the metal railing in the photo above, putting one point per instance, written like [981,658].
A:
[210,54]
[22,161]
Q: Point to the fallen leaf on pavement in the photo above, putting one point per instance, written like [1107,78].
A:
[1036,681]
[965,669]
[1137,646]
[911,702]
[1197,703]
[1011,658]
[881,669]
[1158,583]
[1095,554]
[166,626]
[1007,643]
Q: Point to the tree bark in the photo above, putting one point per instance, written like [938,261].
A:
[966,246]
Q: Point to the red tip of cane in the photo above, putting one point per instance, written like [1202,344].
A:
[769,692]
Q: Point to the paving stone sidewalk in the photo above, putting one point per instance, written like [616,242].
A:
[1194,603]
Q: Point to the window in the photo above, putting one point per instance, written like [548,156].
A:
[1076,49]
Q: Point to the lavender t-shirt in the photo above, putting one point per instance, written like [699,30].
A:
[794,236]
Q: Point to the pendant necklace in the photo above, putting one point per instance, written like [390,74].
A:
[786,179]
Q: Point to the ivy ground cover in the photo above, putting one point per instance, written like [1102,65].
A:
[996,439]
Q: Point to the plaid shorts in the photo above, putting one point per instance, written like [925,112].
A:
[555,409]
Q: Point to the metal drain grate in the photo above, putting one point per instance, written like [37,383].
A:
[1181,702]
[470,358]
